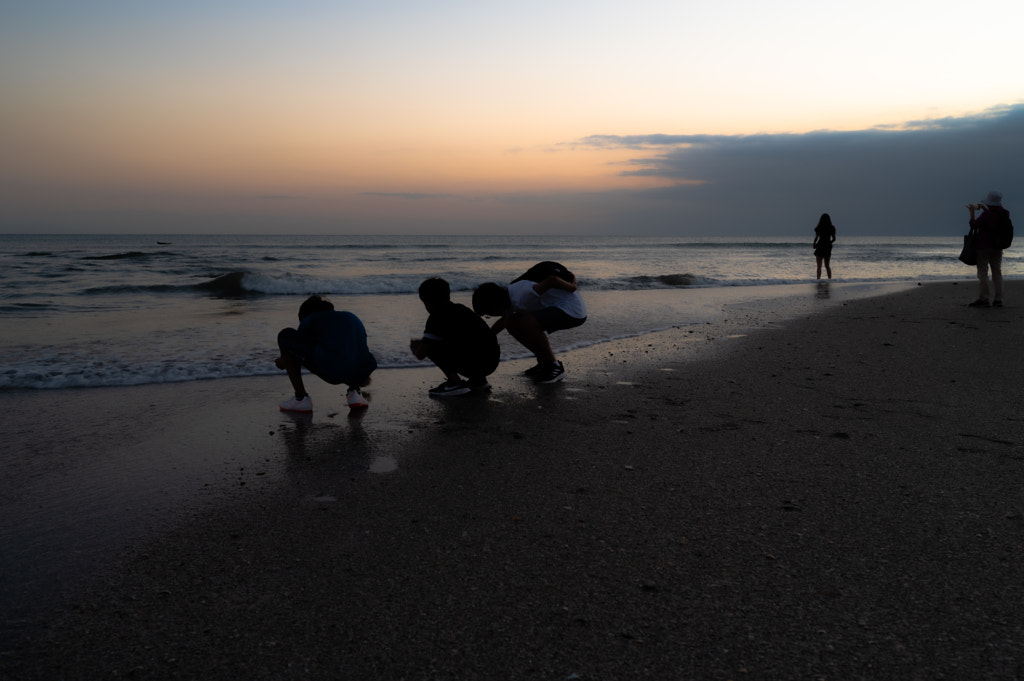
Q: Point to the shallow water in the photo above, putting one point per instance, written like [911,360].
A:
[89,311]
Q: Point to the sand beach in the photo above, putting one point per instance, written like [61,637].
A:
[788,493]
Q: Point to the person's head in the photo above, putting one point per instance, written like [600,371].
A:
[314,304]
[434,292]
[994,198]
[490,299]
[824,220]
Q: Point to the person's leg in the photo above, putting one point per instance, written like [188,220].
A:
[290,364]
[293,349]
[828,266]
[527,330]
[818,258]
[445,360]
[478,366]
[479,369]
[996,263]
[982,265]
[544,322]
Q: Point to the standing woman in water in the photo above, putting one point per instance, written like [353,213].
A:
[824,236]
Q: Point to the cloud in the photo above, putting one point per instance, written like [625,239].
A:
[907,179]
[409,196]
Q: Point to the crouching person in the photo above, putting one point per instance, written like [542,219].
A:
[456,340]
[332,345]
[538,303]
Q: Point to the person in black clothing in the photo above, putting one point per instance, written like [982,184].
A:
[455,339]
[824,237]
[989,248]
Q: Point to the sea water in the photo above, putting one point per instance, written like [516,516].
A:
[104,310]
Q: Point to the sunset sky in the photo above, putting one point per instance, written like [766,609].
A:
[651,117]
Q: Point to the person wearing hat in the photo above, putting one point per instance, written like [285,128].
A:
[990,252]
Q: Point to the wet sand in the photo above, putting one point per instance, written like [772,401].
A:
[835,496]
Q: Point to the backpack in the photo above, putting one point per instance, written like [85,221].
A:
[1002,230]
[543,270]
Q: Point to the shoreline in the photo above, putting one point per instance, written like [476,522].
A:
[645,502]
[234,343]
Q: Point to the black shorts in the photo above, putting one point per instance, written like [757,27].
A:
[477,362]
[553,319]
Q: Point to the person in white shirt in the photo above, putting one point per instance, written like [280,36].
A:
[543,300]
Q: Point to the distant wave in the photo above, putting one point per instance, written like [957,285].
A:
[27,307]
[673,280]
[228,285]
[130,255]
[247,284]
[377,246]
[242,284]
[129,289]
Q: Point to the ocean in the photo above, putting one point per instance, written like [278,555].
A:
[114,310]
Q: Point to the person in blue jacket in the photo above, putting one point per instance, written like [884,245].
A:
[330,344]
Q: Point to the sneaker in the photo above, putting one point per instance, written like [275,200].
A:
[295,404]
[450,389]
[553,373]
[356,399]
[997,303]
[978,303]
[536,370]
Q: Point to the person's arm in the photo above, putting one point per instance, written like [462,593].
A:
[498,326]
[973,207]
[419,347]
[554,282]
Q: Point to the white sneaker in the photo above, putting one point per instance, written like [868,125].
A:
[356,399]
[295,404]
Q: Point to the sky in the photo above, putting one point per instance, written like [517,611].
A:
[732,118]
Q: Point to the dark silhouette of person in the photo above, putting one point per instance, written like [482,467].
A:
[824,237]
[332,345]
[456,340]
